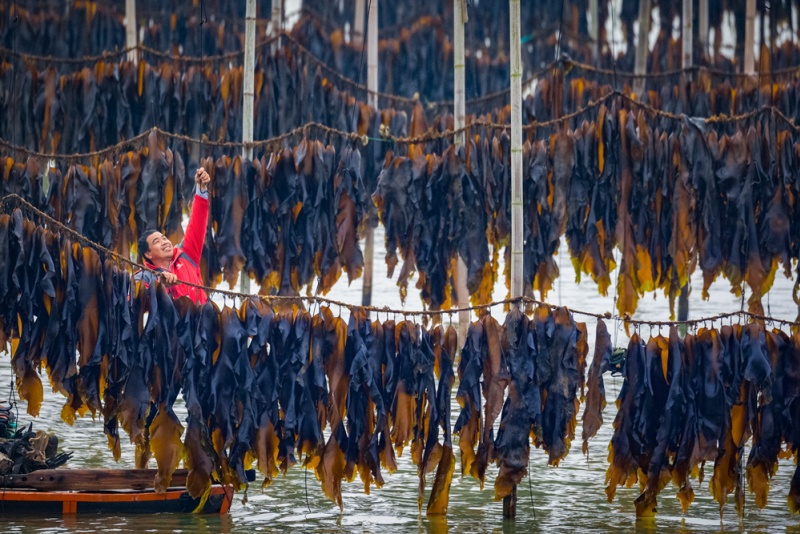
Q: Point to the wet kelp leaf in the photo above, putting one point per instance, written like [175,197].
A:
[350,207]
[404,407]
[768,422]
[623,466]
[628,282]
[522,408]
[330,469]
[556,338]
[468,425]
[366,412]
[426,450]
[445,353]
[134,406]
[91,326]
[792,414]
[202,460]
[596,395]
[495,381]
[165,442]
[658,421]
[228,204]
[727,475]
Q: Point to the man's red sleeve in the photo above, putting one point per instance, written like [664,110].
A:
[195,236]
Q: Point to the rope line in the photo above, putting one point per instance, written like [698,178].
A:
[563,62]
[21,202]
[303,129]
[111,54]
[429,136]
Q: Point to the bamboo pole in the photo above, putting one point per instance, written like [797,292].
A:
[702,21]
[358,26]
[372,85]
[277,22]
[130,30]
[249,67]
[749,37]
[247,102]
[642,46]
[686,35]
[594,29]
[516,151]
[510,502]
[460,18]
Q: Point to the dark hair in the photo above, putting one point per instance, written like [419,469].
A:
[143,246]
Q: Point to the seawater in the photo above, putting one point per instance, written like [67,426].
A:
[564,498]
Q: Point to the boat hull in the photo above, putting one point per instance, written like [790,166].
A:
[55,503]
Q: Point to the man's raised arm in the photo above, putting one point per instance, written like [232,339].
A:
[198,220]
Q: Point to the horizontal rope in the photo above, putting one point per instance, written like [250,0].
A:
[105,56]
[19,201]
[304,129]
[677,72]
[714,119]
[430,136]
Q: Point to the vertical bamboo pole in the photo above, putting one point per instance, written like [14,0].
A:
[516,151]
[460,18]
[249,67]
[372,54]
[277,22]
[358,26]
[686,35]
[372,85]
[702,20]
[687,55]
[749,37]
[247,101]
[594,29]
[642,46]
[510,502]
[130,30]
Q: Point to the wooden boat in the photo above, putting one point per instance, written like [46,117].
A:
[119,491]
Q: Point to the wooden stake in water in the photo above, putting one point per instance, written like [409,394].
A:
[510,502]
[510,505]
[372,85]
[460,18]
[130,30]
[642,46]
[749,38]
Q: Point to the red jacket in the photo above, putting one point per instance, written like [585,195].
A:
[186,256]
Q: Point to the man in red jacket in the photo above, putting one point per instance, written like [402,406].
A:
[182,262]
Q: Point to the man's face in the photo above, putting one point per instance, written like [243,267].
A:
[160,247]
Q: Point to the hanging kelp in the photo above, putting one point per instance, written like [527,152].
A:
[688,402]
[263,385]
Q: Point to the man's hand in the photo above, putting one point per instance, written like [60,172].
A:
[169,278]
[202,179]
